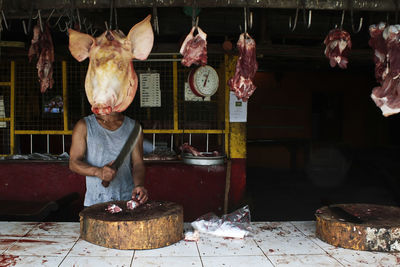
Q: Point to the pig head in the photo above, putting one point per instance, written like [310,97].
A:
[111,81]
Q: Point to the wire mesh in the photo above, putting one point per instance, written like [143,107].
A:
[32,107]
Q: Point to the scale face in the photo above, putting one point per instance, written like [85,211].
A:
[203,81]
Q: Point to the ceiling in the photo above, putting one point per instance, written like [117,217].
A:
[277,45]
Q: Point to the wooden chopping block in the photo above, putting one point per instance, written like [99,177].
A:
[378,229]
[154,224]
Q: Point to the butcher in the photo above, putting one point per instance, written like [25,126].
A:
[111,84]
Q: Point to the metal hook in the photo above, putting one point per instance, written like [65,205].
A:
[79,19]
[63,29]
[51,14]
[4,19]
[295,21]
[245,20]
[352,23]
[341,21]
[115,18]
[111,14]
[155,18]
[39,17]
[307,23]
[105,22]
[250,20]
[24,27]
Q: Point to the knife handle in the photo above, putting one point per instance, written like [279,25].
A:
[105,183]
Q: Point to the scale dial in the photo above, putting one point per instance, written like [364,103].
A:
[203,81]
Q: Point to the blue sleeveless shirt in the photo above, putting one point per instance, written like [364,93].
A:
[103,146]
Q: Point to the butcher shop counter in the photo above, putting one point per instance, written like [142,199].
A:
[272,244]
[199,189]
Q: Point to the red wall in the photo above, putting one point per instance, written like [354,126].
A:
[200,189]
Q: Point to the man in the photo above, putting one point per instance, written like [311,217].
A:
[96,142]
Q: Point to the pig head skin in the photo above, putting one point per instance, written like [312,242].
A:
[111,81]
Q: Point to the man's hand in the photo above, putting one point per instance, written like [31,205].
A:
[107,173]
[140,193]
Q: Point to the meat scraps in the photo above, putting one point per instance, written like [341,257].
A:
[246,67]
[42,47]
[387,96]
[378,43]
[194,48]
[132,204]
[112,208]
[338,45]
[189,149]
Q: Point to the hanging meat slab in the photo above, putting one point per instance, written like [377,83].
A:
[246,67]
[194,48]
[42,47]
[387,96]
[338,45]
[111,81]
[378,43]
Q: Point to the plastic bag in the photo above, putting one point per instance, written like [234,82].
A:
[234,225]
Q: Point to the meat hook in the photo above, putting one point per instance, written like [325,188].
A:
[341,21]
[39,17]
[155,18]
[111,13]
[24,27]
[352,23]
[79,19]
[295,21]
[51,14]
[4,19]
[307,23]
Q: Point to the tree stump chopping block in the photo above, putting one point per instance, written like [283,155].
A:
[154,224]
[378,229]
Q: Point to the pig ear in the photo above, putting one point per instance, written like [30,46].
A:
[80,44]
[141,38]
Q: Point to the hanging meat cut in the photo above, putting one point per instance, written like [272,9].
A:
[42,47]
[194,48]
[338,45]
[378,43]
[246,67]
[387,96]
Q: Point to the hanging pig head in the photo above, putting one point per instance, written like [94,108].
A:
[111,81]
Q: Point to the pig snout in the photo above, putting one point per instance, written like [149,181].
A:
[101,109]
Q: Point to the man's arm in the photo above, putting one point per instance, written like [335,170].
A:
[138,171]
[77,155]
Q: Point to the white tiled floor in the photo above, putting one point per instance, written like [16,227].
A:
[272,244]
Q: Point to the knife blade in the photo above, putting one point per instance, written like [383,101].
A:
[126,149]
[343,214]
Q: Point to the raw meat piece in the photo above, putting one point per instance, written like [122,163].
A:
[378,43]
[387,96]
[111,81]
[246,67]
[132,204]
[112,208]
[46,59]
[34,48]
[189,149]
[42,47]
[338,45]
[194,48]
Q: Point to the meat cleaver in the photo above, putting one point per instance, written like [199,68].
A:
[341,213]
[126,149]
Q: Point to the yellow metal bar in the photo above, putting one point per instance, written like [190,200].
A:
[5,119]
[175,92]
[12,105]
[227,72]
[65,95]
[12,44]
[42,132]
[5,83]
[186,131]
